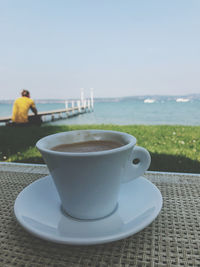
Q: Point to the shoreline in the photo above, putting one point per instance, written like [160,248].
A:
[173,148]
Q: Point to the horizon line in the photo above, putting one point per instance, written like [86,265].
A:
[111,97]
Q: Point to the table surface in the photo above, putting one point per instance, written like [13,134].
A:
[172,239]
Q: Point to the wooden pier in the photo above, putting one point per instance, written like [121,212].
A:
[72,108]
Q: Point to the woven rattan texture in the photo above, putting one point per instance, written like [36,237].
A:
[173,239]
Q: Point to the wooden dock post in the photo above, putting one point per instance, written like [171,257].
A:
[82,96]
[79,105]
[92,98]
[66,108]
[84,104]
[73,107]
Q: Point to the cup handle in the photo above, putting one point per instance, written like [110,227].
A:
[138,163]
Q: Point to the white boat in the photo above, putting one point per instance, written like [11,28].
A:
[182,100]
[149,100]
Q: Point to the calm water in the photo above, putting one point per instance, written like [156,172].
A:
[128,111]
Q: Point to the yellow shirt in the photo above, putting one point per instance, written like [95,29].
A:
[20,109]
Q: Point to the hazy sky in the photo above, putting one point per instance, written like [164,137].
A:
[117,47]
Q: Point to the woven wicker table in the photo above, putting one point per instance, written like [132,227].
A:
[173,239]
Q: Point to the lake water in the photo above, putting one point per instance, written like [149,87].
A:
[128,111]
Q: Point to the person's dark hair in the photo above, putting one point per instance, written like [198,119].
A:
[25,93]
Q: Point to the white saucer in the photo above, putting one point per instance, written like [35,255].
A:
[37,208]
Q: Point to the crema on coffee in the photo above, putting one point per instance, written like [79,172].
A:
[87,146]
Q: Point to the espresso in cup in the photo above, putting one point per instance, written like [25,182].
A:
[88,146]
[89,183]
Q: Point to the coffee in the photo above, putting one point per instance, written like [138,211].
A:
[87,146]
[100,173]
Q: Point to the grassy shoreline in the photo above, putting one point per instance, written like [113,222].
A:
[173,148]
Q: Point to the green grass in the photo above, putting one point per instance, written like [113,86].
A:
[172,148]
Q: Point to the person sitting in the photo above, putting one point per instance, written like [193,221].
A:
[21,108]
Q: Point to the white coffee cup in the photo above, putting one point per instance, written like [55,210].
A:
[88,183]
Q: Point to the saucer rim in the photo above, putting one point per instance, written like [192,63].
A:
[90,240]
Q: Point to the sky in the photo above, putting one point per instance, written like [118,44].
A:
[117,47]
